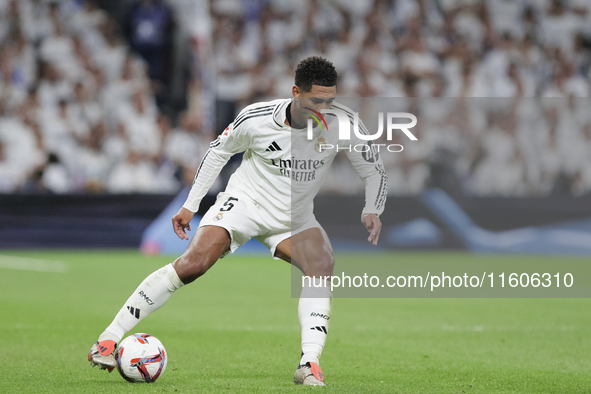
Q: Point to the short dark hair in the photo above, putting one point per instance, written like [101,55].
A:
[315,71]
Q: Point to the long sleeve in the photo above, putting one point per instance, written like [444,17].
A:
[371,170]
[376,191]
[230,142]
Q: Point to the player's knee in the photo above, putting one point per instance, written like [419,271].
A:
[323,265]
[328,263]
[190,267]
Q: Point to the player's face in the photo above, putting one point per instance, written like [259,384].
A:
[318,98]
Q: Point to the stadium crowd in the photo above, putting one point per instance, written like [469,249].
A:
[78,110]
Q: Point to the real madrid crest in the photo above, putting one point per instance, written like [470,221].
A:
[319,147]
[218,217]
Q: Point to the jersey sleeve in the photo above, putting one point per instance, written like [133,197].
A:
[370,168]
[233,140]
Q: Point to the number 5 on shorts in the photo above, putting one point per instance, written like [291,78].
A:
[228,204]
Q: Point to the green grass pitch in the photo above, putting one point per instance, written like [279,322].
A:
[236,330]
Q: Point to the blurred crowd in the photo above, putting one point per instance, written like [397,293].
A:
[414,48]
[78,104]
[493,147]
[81,95]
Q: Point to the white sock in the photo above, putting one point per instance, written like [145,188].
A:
[314,314]
[150,295]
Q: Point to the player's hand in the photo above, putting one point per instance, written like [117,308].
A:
[373,225]
[181,221]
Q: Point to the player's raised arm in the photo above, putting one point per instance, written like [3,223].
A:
[233,140]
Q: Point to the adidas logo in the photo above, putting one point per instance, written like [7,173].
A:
[273,147]
[319,328]
[134,311]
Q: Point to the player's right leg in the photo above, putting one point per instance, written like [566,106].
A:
[206,247]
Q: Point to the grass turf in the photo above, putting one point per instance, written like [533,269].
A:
[236,330]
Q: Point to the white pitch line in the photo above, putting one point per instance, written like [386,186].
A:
[23,263]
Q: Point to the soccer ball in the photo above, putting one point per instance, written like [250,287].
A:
[141,358]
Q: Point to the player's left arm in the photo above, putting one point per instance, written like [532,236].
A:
[370,168]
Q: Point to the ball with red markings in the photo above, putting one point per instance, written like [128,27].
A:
[141,358]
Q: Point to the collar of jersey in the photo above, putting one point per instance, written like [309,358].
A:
[280,114]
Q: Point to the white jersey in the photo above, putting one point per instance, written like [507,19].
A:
[281,170]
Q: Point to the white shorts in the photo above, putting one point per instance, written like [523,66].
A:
[245,219]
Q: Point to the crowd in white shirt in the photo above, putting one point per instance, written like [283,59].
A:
[77,112]
[397,48]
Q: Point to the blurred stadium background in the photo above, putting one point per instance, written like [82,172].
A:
[107,107]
